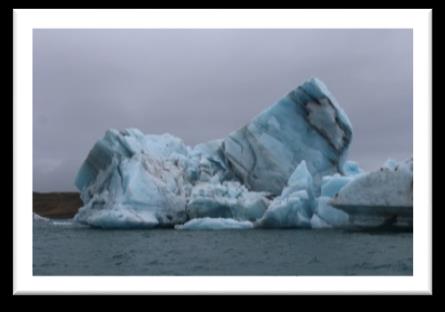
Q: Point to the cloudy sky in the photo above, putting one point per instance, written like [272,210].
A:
[202,84]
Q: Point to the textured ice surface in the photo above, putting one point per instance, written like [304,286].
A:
[297,206]
[294,207]
[206,163]
[300,179]
[118,145]
[318,223]
[288,212]
[330,215]
[331,185]
[226,200]
[390,164]
[307,124]
[215,224]
[351,168]
[387,191]
[131,180]
[134,180]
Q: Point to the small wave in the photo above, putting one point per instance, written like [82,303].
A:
[63,223]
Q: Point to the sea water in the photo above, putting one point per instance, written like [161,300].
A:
[63,248]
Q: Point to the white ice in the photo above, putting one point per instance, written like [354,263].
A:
[226,200]
[39,218]
[330,215]
[215,224]
[331,185]
[294,207]
[387,191]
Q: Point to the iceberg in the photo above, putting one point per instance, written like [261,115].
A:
[132,180]
[39,218]
[386,192]
[307,124]
[287,168]
[288,212]
[215,224]
[298,206]
[294,207]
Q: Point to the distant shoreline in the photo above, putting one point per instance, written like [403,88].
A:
[57,205]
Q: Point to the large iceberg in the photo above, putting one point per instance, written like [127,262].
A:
[286,168]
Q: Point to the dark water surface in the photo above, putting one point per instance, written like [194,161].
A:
[64,249]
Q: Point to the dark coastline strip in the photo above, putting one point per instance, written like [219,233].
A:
[61,205]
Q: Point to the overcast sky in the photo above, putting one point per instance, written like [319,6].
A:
[202,84]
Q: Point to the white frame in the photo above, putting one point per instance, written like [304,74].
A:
[25,20]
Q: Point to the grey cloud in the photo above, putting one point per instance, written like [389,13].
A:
[202,84]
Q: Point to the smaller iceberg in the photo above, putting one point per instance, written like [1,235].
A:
[39,218]
[215,224]
[288,212]
[386,192]
[294,207]
[299,207]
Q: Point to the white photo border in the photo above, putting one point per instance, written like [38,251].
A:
[25,20]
